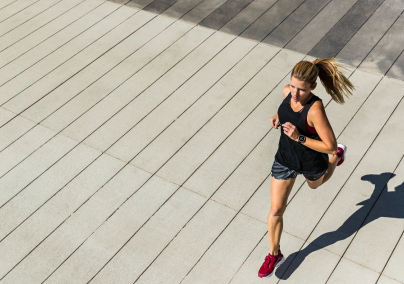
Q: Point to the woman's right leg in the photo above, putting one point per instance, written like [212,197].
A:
[280,190]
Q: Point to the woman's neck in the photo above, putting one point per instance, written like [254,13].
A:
[300,104]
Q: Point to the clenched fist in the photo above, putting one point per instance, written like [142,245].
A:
[275,121]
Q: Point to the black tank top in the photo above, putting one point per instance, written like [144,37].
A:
[293,155]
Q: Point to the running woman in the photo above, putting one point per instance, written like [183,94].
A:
[306,139]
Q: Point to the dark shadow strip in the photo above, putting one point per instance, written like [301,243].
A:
[345,29]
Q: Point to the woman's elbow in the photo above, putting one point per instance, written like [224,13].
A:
[330,148]
[333,149]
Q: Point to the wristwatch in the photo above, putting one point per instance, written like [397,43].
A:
[301,139]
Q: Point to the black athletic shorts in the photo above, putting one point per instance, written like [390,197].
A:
[281,172]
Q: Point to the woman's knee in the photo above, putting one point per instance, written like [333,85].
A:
[314,184]
[277,211]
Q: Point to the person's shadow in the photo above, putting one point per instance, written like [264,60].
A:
[388,205]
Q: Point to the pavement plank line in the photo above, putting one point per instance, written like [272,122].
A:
[158,7]
[396,70]
[248,198]
[248,256]
[66,126]
[208,158]
[129,130]
[176,95]
[290,263]
[14,8]
[213,172]
[225,13]
[42,160]
[21,18]
[222,232]
[59,131]
[345,125]
[147,219]
[87,11]
[188,12]
[392,252]
[355,18]
[16,140]
[69,124]
[163,97]
[359,162]
[386,52]
[206,8]
[106,73]
[37,125]
[81,172]
[142,91]
[271,19]
[19,33]
[180,8]
[248,16]
[9,265]
[235,9]
[6,3]
[295,22]
[370,211]
[258,188]
[117,209]
[319,26]
[375,202]
[295,191]
[397,60]
[8,40]
[381,197]
[370,147]
[106,67]
[109,16]
[342,130]
[351,53]
[402,13]
[223,182]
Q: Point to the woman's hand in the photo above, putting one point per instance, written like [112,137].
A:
[275,121]
[290,130]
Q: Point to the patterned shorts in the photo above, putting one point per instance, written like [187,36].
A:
[281,172]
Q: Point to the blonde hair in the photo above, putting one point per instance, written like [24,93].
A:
[331,76]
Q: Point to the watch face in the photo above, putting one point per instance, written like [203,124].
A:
[302,138]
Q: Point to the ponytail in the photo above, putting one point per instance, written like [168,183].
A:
[331,76]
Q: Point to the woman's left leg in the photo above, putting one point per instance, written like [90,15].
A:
[332,164]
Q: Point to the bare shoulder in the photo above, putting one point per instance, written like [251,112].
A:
[316,112]
[317,107]
[286,90]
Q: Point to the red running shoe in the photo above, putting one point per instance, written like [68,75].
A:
[342,149]
[271,261]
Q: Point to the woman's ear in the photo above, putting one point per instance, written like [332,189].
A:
[312,87]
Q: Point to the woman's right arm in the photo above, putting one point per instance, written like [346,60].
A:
[274,121]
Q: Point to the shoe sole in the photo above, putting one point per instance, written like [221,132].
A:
[277,265]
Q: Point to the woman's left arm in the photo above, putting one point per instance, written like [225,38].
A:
[320,121]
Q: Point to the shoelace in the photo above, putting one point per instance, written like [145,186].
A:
[267,260]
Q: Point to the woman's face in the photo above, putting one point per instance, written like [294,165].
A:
[300,89]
